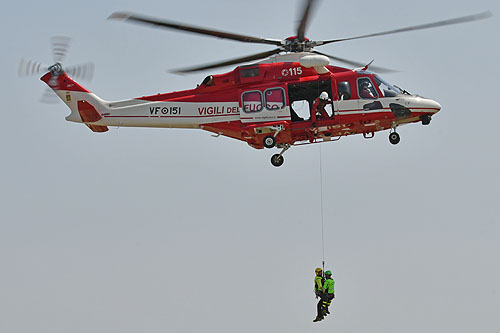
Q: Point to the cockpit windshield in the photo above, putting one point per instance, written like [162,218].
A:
[387,89]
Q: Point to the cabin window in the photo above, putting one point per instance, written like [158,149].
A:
[275,98]
[249,72]
[344,90]
[252,101]
[366,89]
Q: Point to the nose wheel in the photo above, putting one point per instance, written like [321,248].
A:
[277,159]
[426,119]
[394,138]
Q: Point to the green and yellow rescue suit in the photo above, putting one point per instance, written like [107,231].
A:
[328,294]
[318,290]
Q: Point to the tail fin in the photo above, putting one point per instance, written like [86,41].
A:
[58,80]
[84,105]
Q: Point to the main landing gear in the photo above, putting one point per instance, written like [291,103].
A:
[269,141]
[277,159]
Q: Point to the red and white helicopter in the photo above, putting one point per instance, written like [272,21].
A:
[272,103]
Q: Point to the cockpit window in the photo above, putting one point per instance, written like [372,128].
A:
[387,89]
[366,88]
[344,90]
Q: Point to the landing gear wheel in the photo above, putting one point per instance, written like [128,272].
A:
[394,138]
[426,119]
[277,160]
[269,141]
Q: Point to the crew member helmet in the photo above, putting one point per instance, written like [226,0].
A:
[317,270]
[328,273]
[323,96]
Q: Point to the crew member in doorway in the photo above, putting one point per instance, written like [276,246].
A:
[318,290]
[318,109]
[329,292]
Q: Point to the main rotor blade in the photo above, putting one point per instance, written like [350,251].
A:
[457,20]
[60,45]
[356,64]
[301,28]
[198,30]
[227,62]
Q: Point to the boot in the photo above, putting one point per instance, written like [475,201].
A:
[318,318]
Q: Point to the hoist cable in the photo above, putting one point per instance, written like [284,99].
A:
[322,215]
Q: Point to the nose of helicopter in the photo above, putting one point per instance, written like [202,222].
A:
[432,105]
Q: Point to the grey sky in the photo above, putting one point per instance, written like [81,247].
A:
[155,230]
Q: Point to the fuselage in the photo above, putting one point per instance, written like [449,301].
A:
[252,102]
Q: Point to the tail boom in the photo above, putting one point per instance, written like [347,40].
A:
[147,111]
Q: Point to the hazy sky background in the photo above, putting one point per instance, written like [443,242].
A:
[158,230]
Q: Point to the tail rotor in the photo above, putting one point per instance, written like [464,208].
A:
[60,46]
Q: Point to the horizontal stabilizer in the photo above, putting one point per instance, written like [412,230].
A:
[97,128]
[89,114]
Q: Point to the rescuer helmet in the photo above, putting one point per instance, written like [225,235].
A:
[317,270]
[323,96]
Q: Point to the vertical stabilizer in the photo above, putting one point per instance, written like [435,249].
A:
[85,107]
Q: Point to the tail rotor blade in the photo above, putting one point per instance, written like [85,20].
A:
[49,97]
[31,67]
[60,46]
[81,72]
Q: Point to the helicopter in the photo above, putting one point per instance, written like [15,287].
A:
[272,103]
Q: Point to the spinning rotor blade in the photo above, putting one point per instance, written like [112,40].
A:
[457,20]
[30,67]
[228,62]
[356,64]
[198,30]
[301,29]
[81,72]
[49,97]
[60,46]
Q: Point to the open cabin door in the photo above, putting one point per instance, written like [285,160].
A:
[302,96]
[263,105]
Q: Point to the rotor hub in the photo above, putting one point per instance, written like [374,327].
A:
[56,69]
[294,44]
